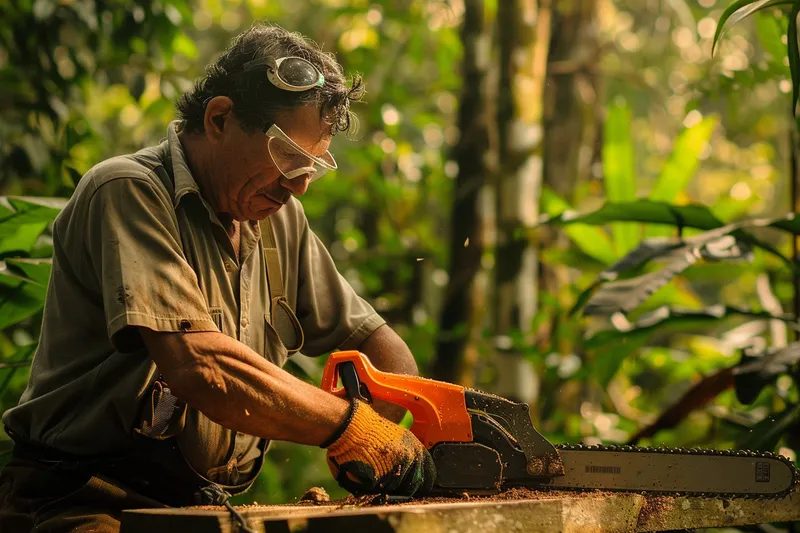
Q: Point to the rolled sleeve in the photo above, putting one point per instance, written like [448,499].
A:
[331,313]
[134,248]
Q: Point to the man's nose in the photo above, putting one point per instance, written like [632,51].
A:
[298,186]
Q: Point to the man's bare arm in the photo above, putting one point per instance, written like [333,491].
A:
[239,389]
[388,352]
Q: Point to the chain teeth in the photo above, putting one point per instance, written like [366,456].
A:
[685,451]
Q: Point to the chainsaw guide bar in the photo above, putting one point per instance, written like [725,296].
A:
[675,471]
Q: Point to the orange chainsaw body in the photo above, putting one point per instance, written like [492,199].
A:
[439,409]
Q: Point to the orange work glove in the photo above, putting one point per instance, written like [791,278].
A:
[370,454]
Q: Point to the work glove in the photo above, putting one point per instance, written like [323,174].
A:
[370,454]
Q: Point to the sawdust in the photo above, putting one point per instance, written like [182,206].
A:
[512,494]
[316,497]
[555,465]
[655,506]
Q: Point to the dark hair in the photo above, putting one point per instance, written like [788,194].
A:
[255,99]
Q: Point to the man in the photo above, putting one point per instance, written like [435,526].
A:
[183,277]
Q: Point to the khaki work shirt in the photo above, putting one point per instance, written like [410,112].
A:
[126,255]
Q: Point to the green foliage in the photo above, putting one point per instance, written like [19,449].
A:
[52,54]
[619,170]
[743,8]
[683,136]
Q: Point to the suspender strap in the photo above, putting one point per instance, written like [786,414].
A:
[273,262]
[279,308]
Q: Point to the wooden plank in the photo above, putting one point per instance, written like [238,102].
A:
[575,515]
[548,513]
[204,520]
[666,513]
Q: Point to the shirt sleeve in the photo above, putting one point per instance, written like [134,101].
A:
[331,313]
[133,245]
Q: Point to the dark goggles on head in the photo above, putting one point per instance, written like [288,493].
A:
[289,73]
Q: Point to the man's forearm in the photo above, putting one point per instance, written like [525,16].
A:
[388,352]
[235,387]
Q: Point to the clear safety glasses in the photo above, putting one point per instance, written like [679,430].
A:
[288,73]
[292,160]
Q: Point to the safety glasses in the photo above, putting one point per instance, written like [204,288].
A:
[288,73]
[292,160]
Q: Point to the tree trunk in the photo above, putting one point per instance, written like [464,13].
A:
[572,97]
[573,110]
[572,117]
[466,242]
[524,30]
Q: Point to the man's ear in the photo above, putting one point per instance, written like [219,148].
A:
[218,111]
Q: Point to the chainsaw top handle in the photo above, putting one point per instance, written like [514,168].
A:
[439,408]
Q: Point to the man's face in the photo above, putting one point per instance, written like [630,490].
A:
[248,185]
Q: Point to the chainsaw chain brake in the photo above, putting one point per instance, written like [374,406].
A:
[688,451]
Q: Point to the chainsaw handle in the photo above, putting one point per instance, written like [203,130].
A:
[439,408]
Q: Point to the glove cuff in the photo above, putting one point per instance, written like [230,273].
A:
[351,413]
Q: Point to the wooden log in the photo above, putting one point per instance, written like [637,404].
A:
[548,513]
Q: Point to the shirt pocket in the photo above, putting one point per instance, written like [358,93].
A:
[274,349]
[286,324]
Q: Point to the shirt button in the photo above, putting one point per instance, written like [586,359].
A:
[244,322]
[228,266]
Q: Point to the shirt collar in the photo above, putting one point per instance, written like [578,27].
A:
[184,181]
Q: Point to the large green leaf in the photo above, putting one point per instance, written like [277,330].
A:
[666,318]
[22,239]
[23,219]
[36,270]
[619,170]
[646,251]
[592,241]
[644,211]
[681,216]
[30,208]
[20,302]
[623,296]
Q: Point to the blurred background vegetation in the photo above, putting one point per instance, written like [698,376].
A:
[510,154]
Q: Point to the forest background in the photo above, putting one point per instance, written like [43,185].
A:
[575,204]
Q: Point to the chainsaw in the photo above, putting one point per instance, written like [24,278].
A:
[483,444]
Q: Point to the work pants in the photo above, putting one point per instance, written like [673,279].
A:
[43,498]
